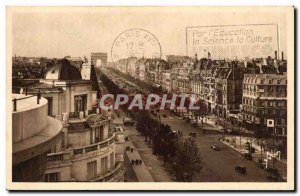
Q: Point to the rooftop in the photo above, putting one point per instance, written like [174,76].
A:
[63,70]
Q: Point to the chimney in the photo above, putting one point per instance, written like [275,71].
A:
[282,57]
[276,54]
[264,61]
[260,67]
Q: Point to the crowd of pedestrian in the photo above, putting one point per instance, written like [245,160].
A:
[136,162]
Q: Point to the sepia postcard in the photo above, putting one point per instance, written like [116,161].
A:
[150,98]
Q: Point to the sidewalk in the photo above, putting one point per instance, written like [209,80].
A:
[243,140]
[212,122]
[141,171]
[280,165]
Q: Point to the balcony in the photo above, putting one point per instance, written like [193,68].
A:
[65,157]
[111,175]
[94,147]
[82,114]
[59,159]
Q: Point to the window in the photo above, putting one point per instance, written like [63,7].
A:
[80,102]
[278,121]
[97,134]
[104,165]
[52,177]
[283,121]
[112,160]
[91,170]
[50,105]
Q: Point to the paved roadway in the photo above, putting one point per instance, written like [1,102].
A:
[218,166]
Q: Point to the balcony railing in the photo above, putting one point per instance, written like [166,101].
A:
[15,100]
[66,156]
[84,114]
[110,175]
[57,159]
[94,147]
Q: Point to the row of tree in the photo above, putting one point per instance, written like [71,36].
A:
[181,157]
[142,84]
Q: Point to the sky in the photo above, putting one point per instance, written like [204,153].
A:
[58,32]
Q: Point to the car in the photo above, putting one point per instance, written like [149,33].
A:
[193,121]
[247,156]
[215,147]
[241,169]
[194,124]
[225,131]
[174,134]
[164,115]
[193,134]
[128,121]
[119,129]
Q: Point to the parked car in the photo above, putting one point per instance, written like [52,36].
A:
[164,115]
[241,169]
[174,134]
[194,123]
[119,129]
[225,131]
[247,156]
[128,121]
[193,134]
[215,147]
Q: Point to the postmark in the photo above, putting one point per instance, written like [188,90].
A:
[137,43]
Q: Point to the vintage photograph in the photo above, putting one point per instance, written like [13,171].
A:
[150,98]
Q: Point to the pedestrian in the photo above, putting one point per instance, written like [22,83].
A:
[136,161]
[141,161]
[132,162]
[131,150]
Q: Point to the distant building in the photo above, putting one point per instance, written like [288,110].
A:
[99,59]
[228,89]
[141,67]
[265,98]
[166,81]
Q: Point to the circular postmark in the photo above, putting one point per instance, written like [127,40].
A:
[135,43]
